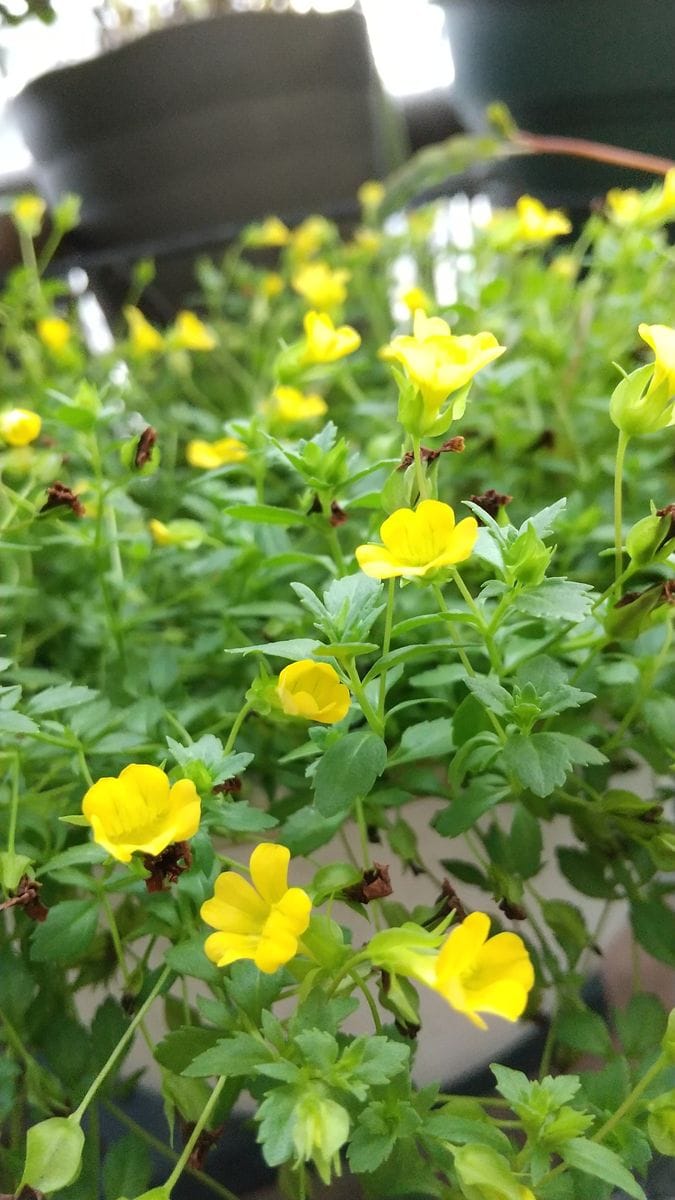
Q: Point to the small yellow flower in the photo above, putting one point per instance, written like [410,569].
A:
[209,455]
[271,284]
[416,298]
[291,406]
[185,533]
[313,690]
[19,426]
[271,232]
[530,224]
[371,194]
[437,362]
[647,209]
[143,336]
[565,266]
[308,238]
[28,212]
[140,810]
[321,287]
[54,333]
[262,920]
[189,333]
[367,240]
[324,342]
[418,542]
[477,974]
[661,339]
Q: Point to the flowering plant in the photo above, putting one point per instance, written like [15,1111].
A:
[318,729]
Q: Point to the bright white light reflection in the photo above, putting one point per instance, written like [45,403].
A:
[410,47]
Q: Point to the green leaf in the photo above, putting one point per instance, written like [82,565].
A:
[525,842]
[267,514]
[471,803]
[348,770]
[601,1162]
[276,1116]
[462,1130]
[63,695]
[14,722]
[490,693]
[641,1025]
[126,1168]
[294,649]
[181,1047]
[584,1031]
[542,761]
[568,927]
[53,1154]
[87,852]
[238,1055]
[654,927]
[556,600]
[238,816]
[188,958]
[586,872]
[67,932]
[428,739]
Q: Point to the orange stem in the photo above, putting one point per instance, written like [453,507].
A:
[599,151]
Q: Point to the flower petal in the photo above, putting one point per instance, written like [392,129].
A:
[377,562]
[269,870]
[462,947]
[226,948]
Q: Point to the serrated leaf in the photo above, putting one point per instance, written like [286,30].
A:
[63,695]
[178,1049]
[293,649]
[126,1167]
[542,761]
[238,1055]
[428,739]
[348,770]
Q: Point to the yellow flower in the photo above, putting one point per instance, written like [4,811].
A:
[371,194]
[477,974]
[439,363]
[537,223]
[624,205]
[189,333]
[367,240]
[313,690]
[209,455]
[310,236]
[324,342]
[530,223]
[28,212]
[565,266]
[271,232]
[262,920]
[140,810]
[320,286]
[19,426]
[416,298]
[418,542]
[271,284]
[188,534]
[144,338]
[646,209]
[291,406]
[54,333]
[661,339]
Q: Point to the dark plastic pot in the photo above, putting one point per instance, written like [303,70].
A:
[198,128]
[597,69]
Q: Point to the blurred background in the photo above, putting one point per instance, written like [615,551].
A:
[177,122]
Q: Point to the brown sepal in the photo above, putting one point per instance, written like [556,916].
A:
[375,885]
[61,496]
[145,447]
[27,897]
[165,868]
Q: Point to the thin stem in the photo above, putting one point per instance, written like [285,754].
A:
[126,1037]
[195,1135]
[420,474]
[362,985]
[631,1098]
[597,151]
[386,642]
[359,691]
[363,832]
[622,443]
[239,721]
[120,1115]
[14,804]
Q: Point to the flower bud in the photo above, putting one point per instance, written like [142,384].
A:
[636,407]
[53,1155]
[668,1043]
[483,1174]
[28,212]
[320,1129]
[528,557]
[187,534]
[661,1123]
[646,538]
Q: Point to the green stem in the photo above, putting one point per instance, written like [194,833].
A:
[126,1037]
[465,661]
[194,1136]
[420,474]
[359,691]
[362,985]
[631,1098]
[386,642]
[14,804]
[120,1115]
[239,721]
[363,832]
[618,495]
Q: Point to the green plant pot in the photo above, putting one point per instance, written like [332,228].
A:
[597,69]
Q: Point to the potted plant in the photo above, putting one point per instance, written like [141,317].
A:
[334,649]
[178,136]
[597,71]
